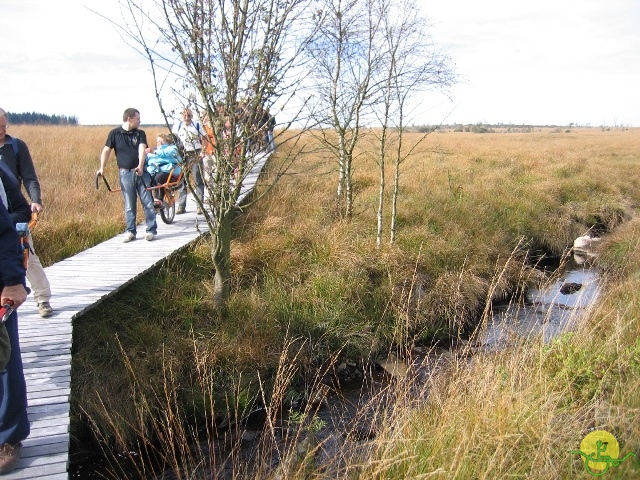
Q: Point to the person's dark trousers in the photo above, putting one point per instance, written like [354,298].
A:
[159,179]
[194,162]
[14,424]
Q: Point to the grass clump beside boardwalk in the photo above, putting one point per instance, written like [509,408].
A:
[472,209]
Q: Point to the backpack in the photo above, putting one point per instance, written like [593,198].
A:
[197,124]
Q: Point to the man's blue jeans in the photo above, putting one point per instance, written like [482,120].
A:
[132,185]
[14,424]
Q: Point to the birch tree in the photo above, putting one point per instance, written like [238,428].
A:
[227,60]
[411,64]
[346,56]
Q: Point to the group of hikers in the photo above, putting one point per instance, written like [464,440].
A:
[187,146]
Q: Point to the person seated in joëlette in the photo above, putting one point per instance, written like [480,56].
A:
[162,161]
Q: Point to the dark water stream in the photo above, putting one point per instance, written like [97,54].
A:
[348,412]
[547,311]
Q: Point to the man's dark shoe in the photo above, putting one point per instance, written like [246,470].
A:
[179,210]
[9,456]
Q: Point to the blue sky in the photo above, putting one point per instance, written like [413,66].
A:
[542,62]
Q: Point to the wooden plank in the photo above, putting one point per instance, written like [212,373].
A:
[60,328]
[50,422]
[45,348]
[35,382]
[30,364]
[58,392]
[46,449]
[50,431]
[37,467]
[47,386]
[49,400]
[45,440]
[49,355]
[41,411]
[44,336]
[45,369]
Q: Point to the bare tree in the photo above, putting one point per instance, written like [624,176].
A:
[346,56]
[410,65]
[228,60]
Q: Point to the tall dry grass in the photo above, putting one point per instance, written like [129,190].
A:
[518,413]
[470,207]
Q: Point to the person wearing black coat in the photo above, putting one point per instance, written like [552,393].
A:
[14,423]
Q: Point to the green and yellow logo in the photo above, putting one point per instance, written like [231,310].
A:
[600,451]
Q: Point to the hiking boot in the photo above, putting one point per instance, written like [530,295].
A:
[9,456]
[44,309]
[179,210]
[149,236]
[128,237]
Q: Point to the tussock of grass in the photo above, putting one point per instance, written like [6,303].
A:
[518,412]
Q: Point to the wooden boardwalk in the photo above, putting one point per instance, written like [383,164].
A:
[76,288]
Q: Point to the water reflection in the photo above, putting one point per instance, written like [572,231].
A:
[546,311]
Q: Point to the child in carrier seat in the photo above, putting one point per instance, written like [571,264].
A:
[160,163]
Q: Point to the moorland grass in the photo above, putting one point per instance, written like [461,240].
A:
[472,209]
[517,413]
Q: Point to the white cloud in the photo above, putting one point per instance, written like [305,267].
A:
[543,62]
[62,58]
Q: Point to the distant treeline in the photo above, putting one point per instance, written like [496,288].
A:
[33,118]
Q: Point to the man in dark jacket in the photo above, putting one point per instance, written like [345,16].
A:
[18,207]
[21,165]
[14,423]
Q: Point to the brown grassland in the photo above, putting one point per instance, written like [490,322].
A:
[310,289]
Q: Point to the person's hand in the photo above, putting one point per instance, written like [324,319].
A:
[16,293]
[36,207]
[139,171]
[99,173]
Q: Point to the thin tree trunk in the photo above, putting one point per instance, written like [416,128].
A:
[381,164]
[396,191]
[221,256]
[349,189]
[340,180]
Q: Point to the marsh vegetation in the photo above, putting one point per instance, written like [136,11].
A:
[158,369]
